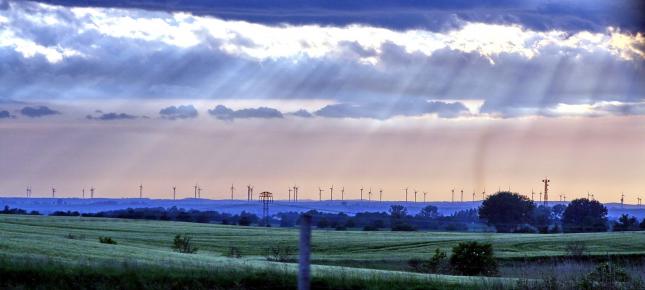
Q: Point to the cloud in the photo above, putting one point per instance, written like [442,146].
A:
[434,15]
[111,116]
[178,112]
[164,55]
[5,114]
[37,112]
[302,113]
[382,110]
[224,113]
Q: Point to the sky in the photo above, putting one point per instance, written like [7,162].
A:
[425,95]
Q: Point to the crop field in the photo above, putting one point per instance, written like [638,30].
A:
[74,241]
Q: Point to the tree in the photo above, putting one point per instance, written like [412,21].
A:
[506,210]
[584,215]
[642,225]
[398,218]
[543,217]
[183,244]
[473,258]
[428,212]
[626,223]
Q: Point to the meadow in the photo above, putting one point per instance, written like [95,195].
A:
[342,259]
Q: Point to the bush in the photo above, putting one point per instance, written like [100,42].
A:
[183,244]
[473,258]
[438,262]
[576,250]
[605,276]
[416,264]
[234,252]
[75,237]
[280,254]
[107,240]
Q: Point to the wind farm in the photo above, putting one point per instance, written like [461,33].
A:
[322,144]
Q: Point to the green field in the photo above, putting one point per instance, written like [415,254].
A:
[349,253]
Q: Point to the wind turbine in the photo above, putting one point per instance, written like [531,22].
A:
[331,192]
[342,193]
[453,195]
[415,195]
[140,190]
[289,194]
[362,193]
[174,193]
[380,195]
[424,196]
[473,195]
[369,194]
[462,195]
[406,194]
[232,191]
[83,192]
[92,192]
[320,194]
[53,192]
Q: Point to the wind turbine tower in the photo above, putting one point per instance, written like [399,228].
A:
[174,193]
[320,194]
[331,192]
[462,195]
[83,192]
[453,195]
[380,195]
[232,191]
[369,194]
[140,190]
[53,192]
[195,187]
[342,193]
[406,194]
[424,196]
[362,193]
[289,194]
[622,200]
[415,195]
[92,192]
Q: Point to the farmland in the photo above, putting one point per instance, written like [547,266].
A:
[74,241]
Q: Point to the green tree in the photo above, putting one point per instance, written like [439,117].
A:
[584,215]
[506,211]
[473,258]
[429,212]
[626,223]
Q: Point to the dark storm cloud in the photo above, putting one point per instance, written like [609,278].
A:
[111,117]
[5,114]
[178,112]
[403,107]
[435,15]
[224,113]
[302,113]
[37,112]
[623,109]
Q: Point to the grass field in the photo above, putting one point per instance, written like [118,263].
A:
[147,243]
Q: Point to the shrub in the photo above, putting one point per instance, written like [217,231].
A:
[107,240]
[234,252]
[75,237]
[605,276]
[416,264]
[183,244]
[280,254]
[473,258]
[576,250]
[438,262]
